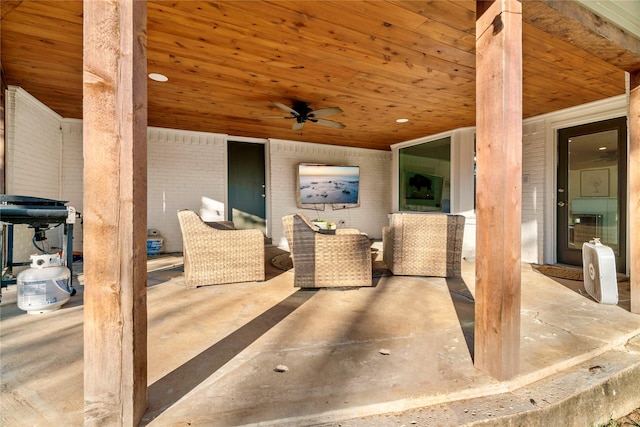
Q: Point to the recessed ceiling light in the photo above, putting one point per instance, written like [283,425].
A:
[402,120]
[602,148]
[158,77]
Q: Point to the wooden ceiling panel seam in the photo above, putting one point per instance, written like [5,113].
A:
[449,36]
[25,48]
[66,12]
[31,62]
[390,14]
[448,13]
[565,81]
[33,28]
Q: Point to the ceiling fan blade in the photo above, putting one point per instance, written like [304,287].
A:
[277,117]
[285,108]
[297,125]
[323,112]
[329,123]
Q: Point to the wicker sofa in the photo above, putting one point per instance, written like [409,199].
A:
[215,254]
[321,259]
[423,244]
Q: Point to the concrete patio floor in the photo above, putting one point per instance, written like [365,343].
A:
[400,352]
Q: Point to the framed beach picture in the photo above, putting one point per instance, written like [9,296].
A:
[594,183]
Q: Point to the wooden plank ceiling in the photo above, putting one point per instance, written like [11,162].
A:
[377,60]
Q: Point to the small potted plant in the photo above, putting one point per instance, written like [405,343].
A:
[323,224]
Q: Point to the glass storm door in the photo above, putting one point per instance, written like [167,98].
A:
[592,189]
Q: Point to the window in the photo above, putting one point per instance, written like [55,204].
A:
[424,179]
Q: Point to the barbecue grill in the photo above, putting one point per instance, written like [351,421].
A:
[40,214]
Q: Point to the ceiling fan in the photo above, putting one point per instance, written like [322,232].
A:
[303,113]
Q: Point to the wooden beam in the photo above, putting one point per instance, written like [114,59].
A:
[115,212]
[634,189]
[584,29]
[499,193]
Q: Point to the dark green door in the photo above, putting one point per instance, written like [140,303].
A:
[246,187]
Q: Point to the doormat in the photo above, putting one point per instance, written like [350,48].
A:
[560,272]
[283,262]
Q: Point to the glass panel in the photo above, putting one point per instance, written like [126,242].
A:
[425,171]
[593,189]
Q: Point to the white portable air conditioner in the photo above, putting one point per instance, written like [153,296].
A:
[599,267]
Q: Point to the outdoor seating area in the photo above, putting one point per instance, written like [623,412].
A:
[414,245]
[267,353]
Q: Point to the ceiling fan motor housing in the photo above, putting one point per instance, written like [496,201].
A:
[303,110]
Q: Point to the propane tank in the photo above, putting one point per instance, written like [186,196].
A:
[44,286]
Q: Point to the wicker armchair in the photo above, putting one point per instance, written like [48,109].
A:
[423,244]
[323,259]
[216,253]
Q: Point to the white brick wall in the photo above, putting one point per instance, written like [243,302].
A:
[184,171]
[33,161]
[375,185]
[34,147]
[72,170]
[533,191]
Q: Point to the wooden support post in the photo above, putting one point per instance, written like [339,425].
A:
[499,193]
[115,212]
[634,189]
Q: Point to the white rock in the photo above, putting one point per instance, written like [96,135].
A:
[281,368]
